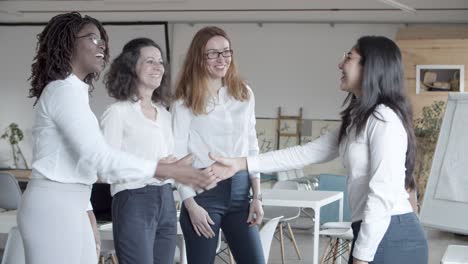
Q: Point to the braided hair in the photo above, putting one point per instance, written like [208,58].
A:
[54,51]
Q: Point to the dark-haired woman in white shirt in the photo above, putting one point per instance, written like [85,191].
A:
[69,151]
[377,145]
[143,211]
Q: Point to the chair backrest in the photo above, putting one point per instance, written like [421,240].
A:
[266,235]
[330,182]
[286,185]
[14,250]
[287,212]
[10,192]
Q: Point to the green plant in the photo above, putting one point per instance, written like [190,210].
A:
[426,129]
[14,135]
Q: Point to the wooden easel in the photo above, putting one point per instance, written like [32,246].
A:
[297,134]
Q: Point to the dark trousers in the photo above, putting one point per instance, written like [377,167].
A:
[228,206]
[145,225]
[403,243]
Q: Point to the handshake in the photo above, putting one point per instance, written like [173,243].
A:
[182,171]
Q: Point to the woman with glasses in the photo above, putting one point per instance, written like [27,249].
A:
[377,145]
[215,113]
[69,150]
[143,211]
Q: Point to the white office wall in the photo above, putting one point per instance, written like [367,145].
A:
[17,49]
[288,65]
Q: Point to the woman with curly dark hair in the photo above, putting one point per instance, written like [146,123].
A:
[69,149]
[144,226]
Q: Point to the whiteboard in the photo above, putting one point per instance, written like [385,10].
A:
[18,43]
[445,204]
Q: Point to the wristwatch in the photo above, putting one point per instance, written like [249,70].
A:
[256,197]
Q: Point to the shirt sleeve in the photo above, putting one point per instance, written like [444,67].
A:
[323,149]
[112,127]
[387,151]
[253,141]
[181,120]
[78,125]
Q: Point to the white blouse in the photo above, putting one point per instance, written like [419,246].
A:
[126,128]
[228,129]
[68,143]
[375,163]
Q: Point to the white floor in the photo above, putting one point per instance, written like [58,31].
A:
[438,242]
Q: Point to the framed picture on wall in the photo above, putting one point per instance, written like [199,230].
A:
[439,78]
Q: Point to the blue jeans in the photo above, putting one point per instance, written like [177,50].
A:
[403,243]
[228,206]
[145,225]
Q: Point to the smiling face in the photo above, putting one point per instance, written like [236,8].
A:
[149,68]
[351,73]
[88,54]
[217,67]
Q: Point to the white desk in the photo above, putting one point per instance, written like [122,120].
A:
[305,199]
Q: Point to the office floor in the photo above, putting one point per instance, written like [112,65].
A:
[438,242]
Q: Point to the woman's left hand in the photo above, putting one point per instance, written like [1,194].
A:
[255,213]
[358,261]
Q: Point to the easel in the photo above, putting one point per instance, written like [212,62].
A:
[298,132]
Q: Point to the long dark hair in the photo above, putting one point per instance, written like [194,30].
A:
[54,51]
[382,83]
[121,80]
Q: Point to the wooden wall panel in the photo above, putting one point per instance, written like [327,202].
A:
[424,50]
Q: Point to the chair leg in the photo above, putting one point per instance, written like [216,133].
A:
[114,259]
[294,242]
[324,254]
[281,242]
[335,250]
[231,257]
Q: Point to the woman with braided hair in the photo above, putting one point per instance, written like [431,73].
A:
[69,150]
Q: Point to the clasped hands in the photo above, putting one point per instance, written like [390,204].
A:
[203,179]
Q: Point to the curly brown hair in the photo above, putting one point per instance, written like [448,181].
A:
[121,80]
[54,51]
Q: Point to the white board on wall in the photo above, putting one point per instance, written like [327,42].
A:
[445,204]
[18,43]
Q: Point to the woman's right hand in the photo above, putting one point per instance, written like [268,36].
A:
[200,219]
[225,168]
[183,172]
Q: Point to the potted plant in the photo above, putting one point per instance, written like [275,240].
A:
[13,134]
[426,129]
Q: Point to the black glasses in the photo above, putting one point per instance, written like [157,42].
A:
[95,39]
[215,54]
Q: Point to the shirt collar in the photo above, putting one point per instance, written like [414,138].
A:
[76,81]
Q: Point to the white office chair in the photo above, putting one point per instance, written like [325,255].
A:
[14,250]
[288,213]
[339,242]
[267,233]
[10,192]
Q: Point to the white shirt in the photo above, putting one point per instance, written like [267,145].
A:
[126,128]
[68,144]
[228,129]
[375,163]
